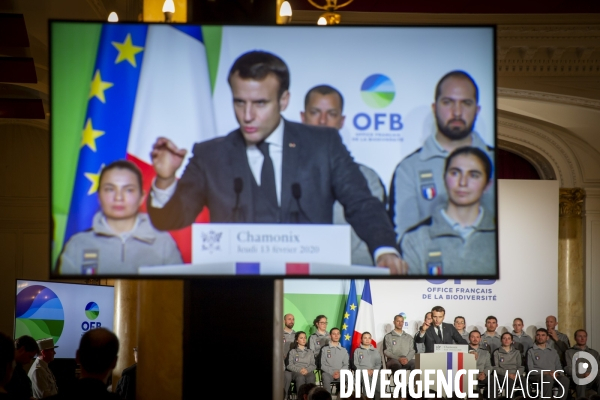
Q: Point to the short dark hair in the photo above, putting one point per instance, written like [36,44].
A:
[7,354]
[456,74]
[474,331]
[27,342]
[365,333]
[123,164]
[335,329]
[323,90]
[507,333]
[460,316]
[438,309]
[491,317]
[304,389]
[399,315]
[518,319]
[542,330]
[97,351]
[316,320]
[257,65]
[474,151]
[579,330]
[319,393]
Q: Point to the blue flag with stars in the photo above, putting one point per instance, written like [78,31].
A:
[349,318]
[105,133]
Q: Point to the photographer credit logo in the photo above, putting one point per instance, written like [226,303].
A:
[39,313]
[377,91]
[580,368]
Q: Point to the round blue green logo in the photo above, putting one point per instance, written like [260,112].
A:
[378,91]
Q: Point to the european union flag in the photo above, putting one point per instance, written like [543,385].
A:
[111,101]
[349,318]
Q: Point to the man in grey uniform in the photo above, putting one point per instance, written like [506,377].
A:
[483,357]
[334,358]
[323,106]
[544,364]
[557,340]
[491,339]
[399,347]
[366,357]
[288,338]
[418,182]
[521,337]
[574,354]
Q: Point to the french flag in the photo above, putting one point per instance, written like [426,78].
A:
[365,320]
[454,363]
[154,81]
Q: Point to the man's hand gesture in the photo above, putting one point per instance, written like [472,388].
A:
[166,160]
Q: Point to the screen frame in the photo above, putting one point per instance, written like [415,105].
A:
[493,27]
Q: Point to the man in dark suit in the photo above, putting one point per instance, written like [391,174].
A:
[269,170]
[438,332]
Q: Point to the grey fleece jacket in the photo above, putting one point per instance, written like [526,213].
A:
[435,243]
[508,362]
[102,251]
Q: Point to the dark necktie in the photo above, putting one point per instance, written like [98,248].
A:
[438,332]
[267,175]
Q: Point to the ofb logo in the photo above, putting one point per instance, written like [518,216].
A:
[92,310]
[580,367]
[39,313]
[377,91]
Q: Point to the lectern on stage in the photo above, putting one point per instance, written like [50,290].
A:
[446,357]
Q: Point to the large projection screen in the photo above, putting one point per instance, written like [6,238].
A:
[62,311]
[244,182]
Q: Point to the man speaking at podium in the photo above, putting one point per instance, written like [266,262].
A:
[438,332]
[269,170]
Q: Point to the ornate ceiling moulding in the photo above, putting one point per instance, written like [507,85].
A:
[550,97]
[548,50]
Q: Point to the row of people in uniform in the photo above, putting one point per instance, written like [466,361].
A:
[510,353]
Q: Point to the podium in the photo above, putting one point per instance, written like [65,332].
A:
[441,362]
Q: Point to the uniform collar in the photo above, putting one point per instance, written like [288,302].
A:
[142,229]
[432,148]
[535,346]
[441,227]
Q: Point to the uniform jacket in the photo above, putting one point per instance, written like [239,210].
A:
[510,362]
[145,246]
[397,345]
[298,359]
[334,358]
[42,379]
[367,358]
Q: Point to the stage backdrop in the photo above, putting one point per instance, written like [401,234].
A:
[527,288]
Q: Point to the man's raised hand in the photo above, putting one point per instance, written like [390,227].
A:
[166,160]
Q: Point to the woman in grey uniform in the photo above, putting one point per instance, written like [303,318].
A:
[507,360]
[320,338]
[367,357]
[301,361]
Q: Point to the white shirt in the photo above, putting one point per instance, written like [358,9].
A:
[160,197]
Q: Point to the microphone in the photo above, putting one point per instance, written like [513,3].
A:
[238,186]
[297,209]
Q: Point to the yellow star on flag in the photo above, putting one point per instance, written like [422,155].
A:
[344,327]
[353,306]
[347,337]
[94,180]
[346,315]
[127,51]
[98,87]
[90,135]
